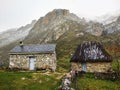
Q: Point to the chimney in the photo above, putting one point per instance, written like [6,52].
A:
[21,44]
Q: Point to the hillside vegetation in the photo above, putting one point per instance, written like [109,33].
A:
[67,31]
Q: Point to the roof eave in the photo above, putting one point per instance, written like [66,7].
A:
[10,53]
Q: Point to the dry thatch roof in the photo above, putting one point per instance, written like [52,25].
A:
[91,51]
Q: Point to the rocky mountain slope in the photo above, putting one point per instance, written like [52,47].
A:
[52,26]
[13,35]
[63,28]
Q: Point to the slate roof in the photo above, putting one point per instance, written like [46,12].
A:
[47,48]
[91,51]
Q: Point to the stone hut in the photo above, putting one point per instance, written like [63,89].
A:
[33,57]
[91,57]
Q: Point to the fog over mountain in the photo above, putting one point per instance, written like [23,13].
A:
[108,17]
[16,13]
[13,35]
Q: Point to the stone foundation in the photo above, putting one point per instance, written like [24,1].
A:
[93,67]
[43,61]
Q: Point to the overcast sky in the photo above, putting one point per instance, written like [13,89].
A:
[16,13]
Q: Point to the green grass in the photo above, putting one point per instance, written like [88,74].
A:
[66,45]
[29,81]
[90,83]
[51,81]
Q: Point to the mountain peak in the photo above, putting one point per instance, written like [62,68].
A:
[63,12]
[55,14]
[54,18]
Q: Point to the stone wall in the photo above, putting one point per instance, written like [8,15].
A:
[19,62]
[93,67]
[46,61]
[43,61]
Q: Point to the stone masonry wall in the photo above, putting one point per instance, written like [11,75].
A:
[19,61]
[93,67]
[43,61]
[46,61]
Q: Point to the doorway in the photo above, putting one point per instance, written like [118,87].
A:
[32,63]
[84,67]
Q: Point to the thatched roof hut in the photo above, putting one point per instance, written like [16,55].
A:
[91,52]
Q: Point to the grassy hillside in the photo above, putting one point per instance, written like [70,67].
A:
[71,33]
[66,46]
[51,81]
[88,82]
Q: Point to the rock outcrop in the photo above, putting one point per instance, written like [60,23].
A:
[95,28]
[112,27]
